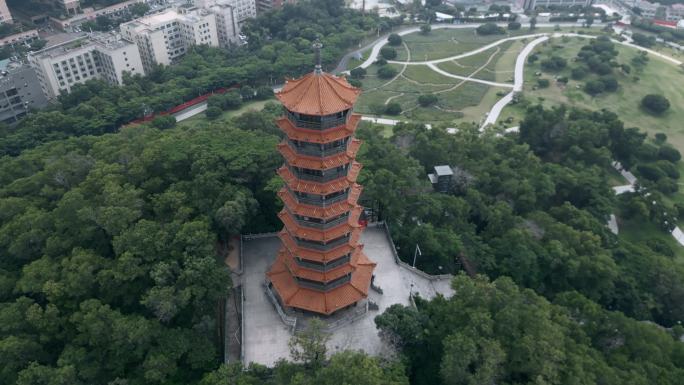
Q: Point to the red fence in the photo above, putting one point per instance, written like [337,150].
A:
[185,105]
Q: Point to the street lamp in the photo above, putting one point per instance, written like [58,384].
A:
[415,254]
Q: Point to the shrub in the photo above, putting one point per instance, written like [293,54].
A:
[669,153]
[554,63]
[578,73]
[426,100]
[264,92]
[355,83]
[388,53]
[393,109]
[650,172]
[594,87]
[660,247]
[387,72]
[656,104]
[381,61]
[425,29]
[543,83]
[532,58]
[610,84]
[394,39]
[514,25]
[660,138]
[212,113]
[232,100]
[562,79]
[164,122]
[358,73]
[490,29]
[643,40]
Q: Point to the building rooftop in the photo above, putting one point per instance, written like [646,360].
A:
[443,171]
[266,336]
[318,94]
[103,40]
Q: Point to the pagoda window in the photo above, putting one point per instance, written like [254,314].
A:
[317,149]
[323,266]
[322,245]
[322,224]
[318,122]
[320,175]
[324,286]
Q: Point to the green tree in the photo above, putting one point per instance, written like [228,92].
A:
[308,346]
[655,103]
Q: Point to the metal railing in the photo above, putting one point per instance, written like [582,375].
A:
[324,226]
[320,201]
[325,286]
[324,267]
[319,178]
[287,320]
[321,247]
[313,150]
[324,123]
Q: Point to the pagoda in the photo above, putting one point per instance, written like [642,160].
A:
[320,267]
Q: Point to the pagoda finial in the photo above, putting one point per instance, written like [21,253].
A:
[317,45]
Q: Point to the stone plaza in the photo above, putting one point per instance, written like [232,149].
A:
[266,336]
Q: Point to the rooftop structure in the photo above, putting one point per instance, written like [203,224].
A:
[164,37]
[103,56]
[321,267]
[531,5]
[441,178]
[20,91]
[5,15]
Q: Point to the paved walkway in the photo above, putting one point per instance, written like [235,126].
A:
[266,337]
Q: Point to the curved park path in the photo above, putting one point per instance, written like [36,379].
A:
[518,77]
[493,114]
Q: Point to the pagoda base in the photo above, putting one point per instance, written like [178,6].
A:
[294,296]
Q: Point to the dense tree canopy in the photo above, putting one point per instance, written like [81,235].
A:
[497,333]
[279,47]
[110,267]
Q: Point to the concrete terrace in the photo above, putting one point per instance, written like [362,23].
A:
[265,335]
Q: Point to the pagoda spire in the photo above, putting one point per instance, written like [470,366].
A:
[317,45]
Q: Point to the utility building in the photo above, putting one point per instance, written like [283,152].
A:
[321,267]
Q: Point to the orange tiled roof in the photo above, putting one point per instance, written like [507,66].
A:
[315,275]
[322,302]
[317,234]
[318,136]
[318,94]
[320,188]
[326,212]
[315,255]
[319,163]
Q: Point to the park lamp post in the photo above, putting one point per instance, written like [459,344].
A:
[415,254]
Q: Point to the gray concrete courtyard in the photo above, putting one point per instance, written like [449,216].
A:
[265,335]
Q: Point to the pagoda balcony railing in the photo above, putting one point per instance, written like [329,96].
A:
[320,286]
[324,226]
[315,150]
[322,247]
[324,123]
[323,267]
[319,178]
[320,201]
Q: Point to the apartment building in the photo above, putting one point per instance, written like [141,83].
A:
[99,56]
[164,37]
[267,5]
[20,91]
[5,15]
[531,5]
[70,7]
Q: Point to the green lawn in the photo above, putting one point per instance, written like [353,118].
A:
[642,231]
[202,118]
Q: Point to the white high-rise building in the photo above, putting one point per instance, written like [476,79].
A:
[5,15]
[100,56]
[164,37]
